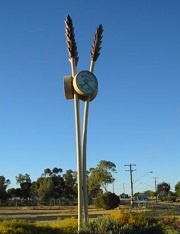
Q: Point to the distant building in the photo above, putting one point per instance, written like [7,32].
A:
[124,195]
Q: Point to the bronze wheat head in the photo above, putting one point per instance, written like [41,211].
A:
[95,52]
[70,39]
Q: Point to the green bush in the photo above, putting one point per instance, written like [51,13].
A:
[171,221]
[162,198]
[107,201]
[69,226]
[172,198]
[124,223]
[117,222]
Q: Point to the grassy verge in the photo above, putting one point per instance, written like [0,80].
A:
[63,220]
[124,222]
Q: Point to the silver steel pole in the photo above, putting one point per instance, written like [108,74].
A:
[84,146]
[78,146]
[78,152]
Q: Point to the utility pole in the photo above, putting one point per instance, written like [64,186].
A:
[155,182]
[123,188]
[131,170]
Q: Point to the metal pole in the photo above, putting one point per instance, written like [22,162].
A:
[78,152]
[78,146]
[95,52]
[73,58]
[84,144]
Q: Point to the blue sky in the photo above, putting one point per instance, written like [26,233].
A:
[136,115]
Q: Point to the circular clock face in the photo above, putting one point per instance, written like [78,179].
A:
[85,83]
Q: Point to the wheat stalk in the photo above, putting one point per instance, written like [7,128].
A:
[95,52]
[70,39]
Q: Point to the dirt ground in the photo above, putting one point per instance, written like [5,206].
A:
[52,213]
[44,213]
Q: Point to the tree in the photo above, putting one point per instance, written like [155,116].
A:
[58,185]
[101,176]
[50,173]
[23,178]
[25,184]
[105,169]
[11,192]
[163,190]
[47,172]
[56,170]
[107,165]
[3,186]
[50,184]
[43,188]
[93,183]
[70,179]
[177,189]
[149,193]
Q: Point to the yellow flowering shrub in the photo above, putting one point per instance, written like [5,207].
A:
[66,226]
[120,217]
[69,225]
[138,220]
[115,222]
[3,230]
[16,226]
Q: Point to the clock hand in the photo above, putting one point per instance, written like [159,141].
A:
[89,86]
[85,82]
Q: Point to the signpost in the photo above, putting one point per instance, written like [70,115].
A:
[142,199]
[82,86]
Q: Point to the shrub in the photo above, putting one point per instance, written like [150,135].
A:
[117,221]
[120,217]
[68,226]
[124,223]
[162,198]
[99,225]
[16,227]
[107,201]
[173,222]
[172,198]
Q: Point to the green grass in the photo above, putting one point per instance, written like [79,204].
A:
[169,230]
